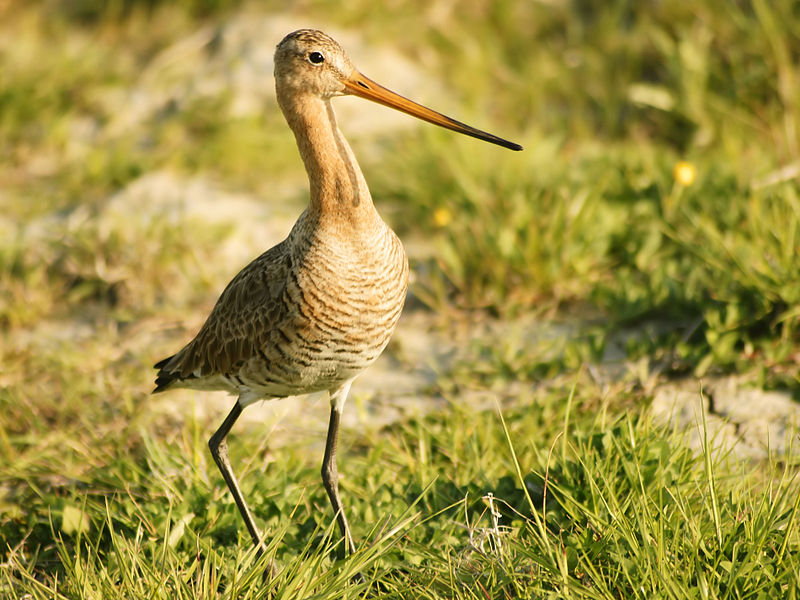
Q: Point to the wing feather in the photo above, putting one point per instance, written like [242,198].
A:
[251,306]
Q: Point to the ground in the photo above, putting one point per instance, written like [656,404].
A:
[593,390]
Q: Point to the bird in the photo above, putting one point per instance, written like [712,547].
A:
[309,314]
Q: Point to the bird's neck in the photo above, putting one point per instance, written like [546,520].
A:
[338,188]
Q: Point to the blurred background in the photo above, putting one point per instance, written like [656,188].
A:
[650,231]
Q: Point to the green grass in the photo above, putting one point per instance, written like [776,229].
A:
[587,230]
[583,505]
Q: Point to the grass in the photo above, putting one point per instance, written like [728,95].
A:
[570,489]
[590,507]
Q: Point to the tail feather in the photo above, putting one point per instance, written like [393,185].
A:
[162,363]
[164,378]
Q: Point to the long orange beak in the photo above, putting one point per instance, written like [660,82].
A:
[363,87]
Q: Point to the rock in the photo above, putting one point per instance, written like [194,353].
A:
[751,423]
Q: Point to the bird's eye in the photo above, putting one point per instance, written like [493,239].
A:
[316,57]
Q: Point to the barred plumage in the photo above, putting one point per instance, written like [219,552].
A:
[315,310]
[302,317]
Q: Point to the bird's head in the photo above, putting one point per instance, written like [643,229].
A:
[309,61]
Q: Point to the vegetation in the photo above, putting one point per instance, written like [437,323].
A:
[657,202]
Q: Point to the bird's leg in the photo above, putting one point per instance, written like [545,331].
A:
[330,473]
[219,450]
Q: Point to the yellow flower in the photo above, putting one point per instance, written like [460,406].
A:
[441,217]
[684,173]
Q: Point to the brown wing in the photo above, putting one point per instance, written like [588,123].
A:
[238,326]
